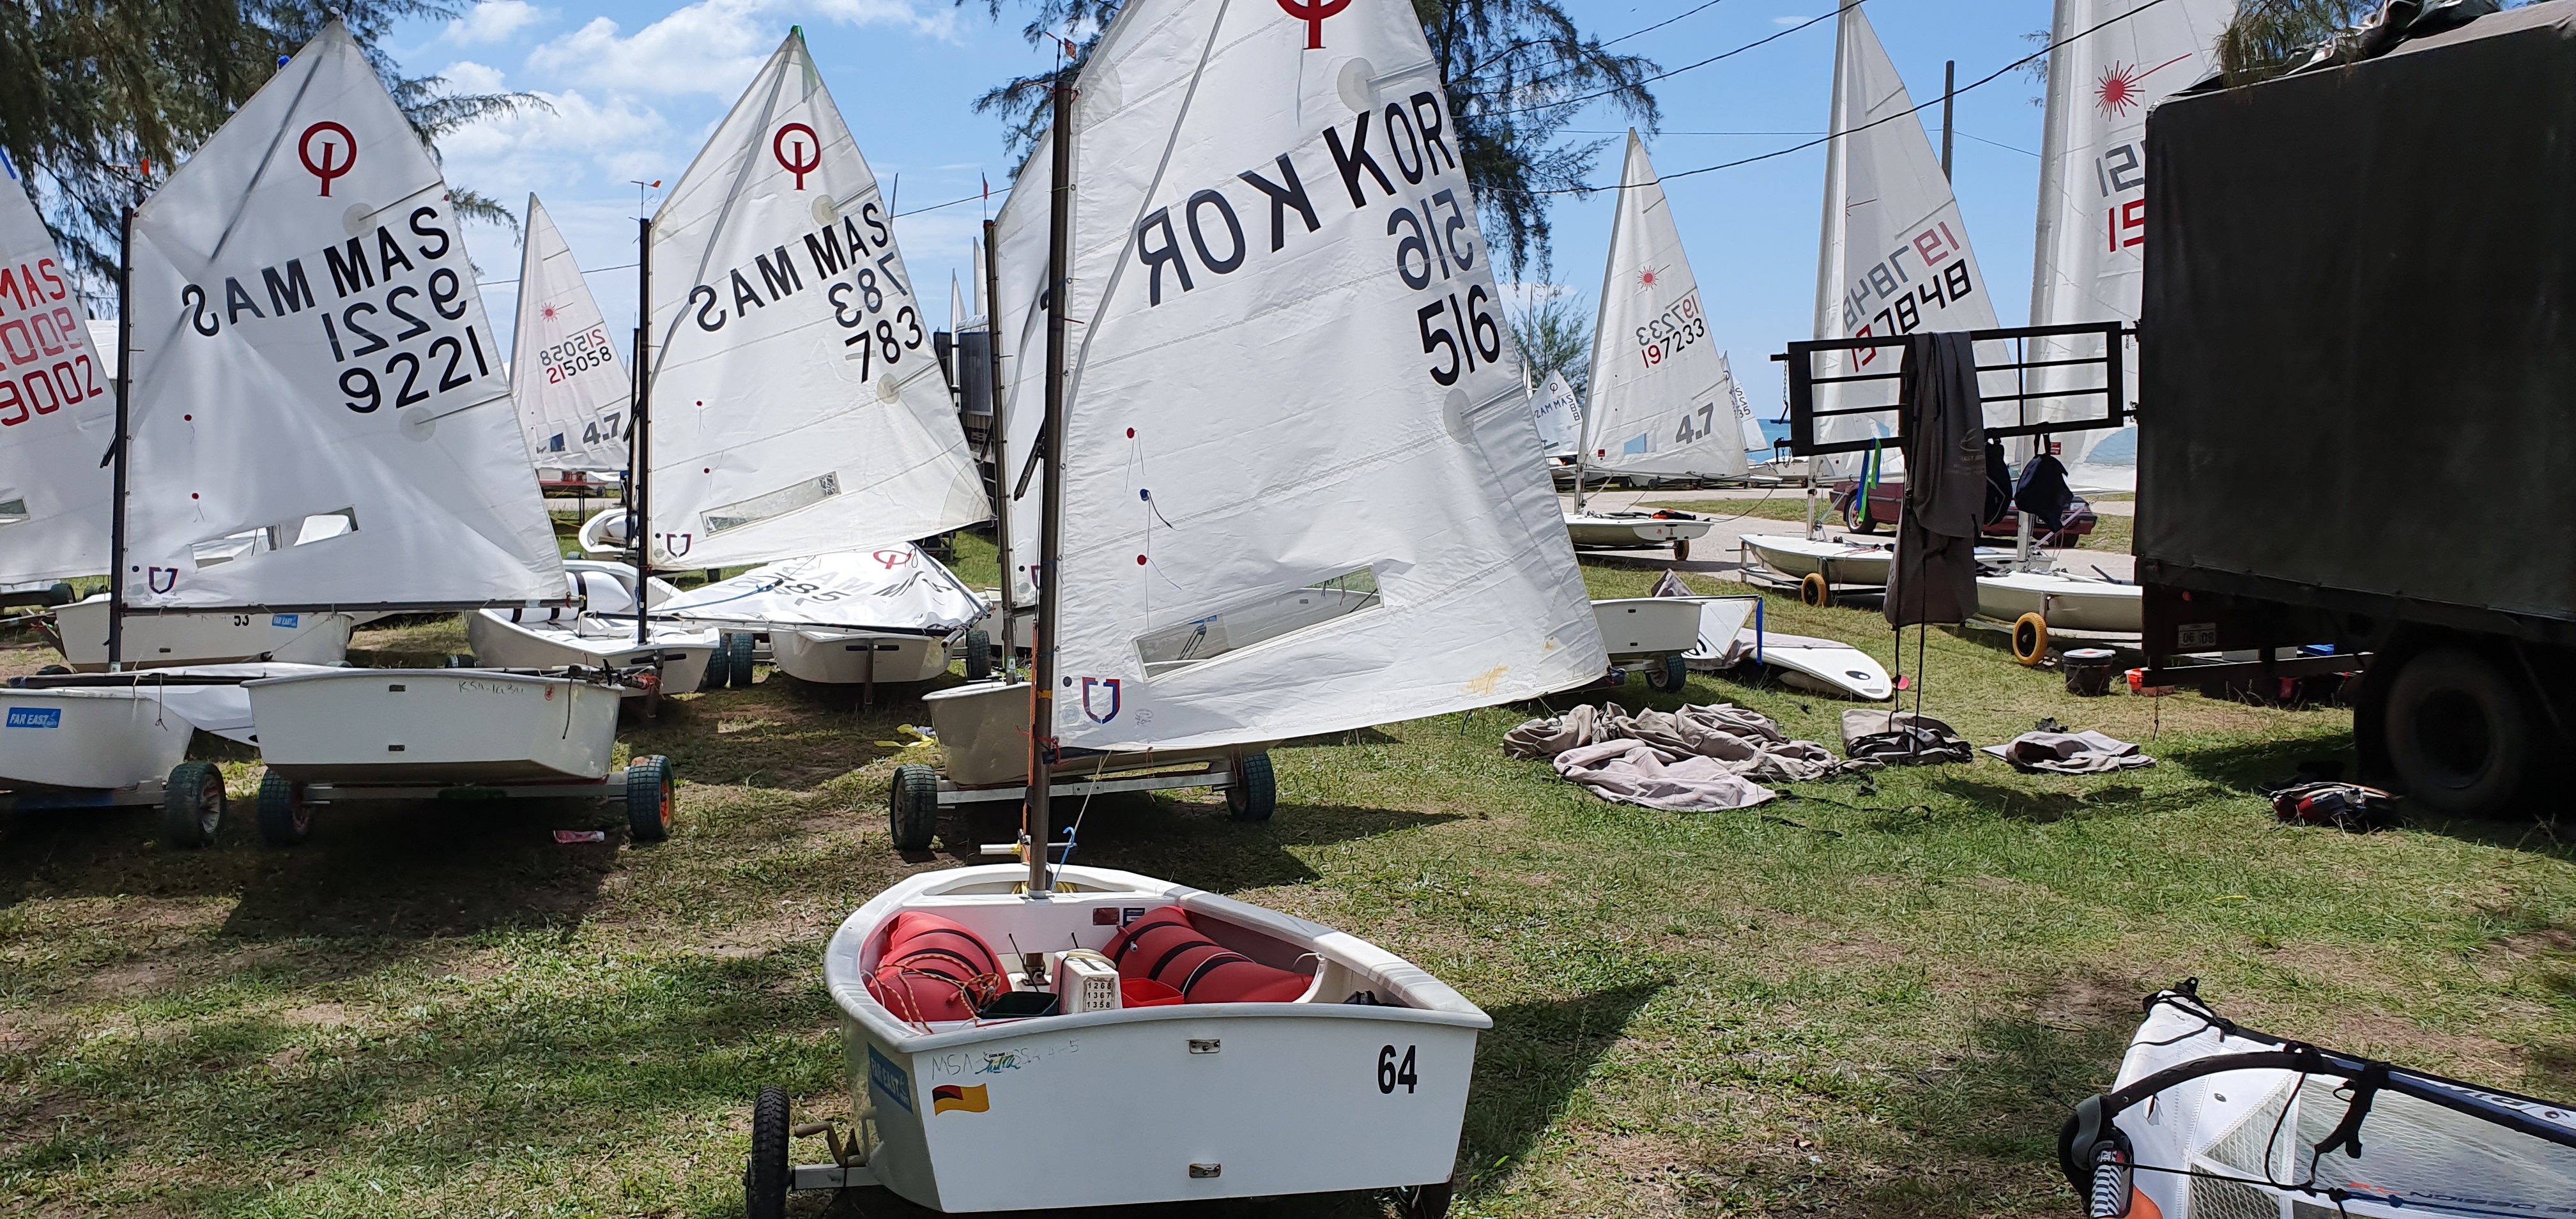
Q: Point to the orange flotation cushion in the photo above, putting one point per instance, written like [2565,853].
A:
[1165,946]
[933,969]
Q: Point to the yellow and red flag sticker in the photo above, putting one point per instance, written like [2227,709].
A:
[971,1099]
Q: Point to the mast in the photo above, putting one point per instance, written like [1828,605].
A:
[116,450]
[1000,442]
[638,434]
[1042,658]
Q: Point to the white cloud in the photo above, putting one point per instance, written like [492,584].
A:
[551,147]
[492,21]
[713,46]
[466,76]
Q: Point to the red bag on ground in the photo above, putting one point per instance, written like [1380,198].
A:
[932,969]
[1165,946]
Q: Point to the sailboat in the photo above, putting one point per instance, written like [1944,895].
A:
[574,399]
[2090,263]
[1336,528]
[1663,400]
[1893,258]
[320,423]
[1560,417]
[794,403]
[918,607]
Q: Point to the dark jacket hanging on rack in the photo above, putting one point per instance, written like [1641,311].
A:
[1934,577]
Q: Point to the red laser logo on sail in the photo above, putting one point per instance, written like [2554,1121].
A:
[1313,13]
[328,168]
[799,163]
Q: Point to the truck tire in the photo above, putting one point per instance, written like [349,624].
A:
[2458,735]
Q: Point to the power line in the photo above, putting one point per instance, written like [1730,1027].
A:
[1988,78]
[1594,96]
[1661,24]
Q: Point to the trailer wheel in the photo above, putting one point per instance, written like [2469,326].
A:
[192,809]
[53,671]
[1254,794]
[1669,674]
[285,817]
[764,1180]
[60,593]
[649,789]
[2457,733]
[719,665]
[2030,639]
[1681,550]
[912,807]
[738,663]
[979,655]
[1815,591]
[1424,1201]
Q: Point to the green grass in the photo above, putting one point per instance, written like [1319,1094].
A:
[1868,998]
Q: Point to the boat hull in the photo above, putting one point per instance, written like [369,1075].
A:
[434,726]
[87,739]
[1195,1101]
[501,643]
[841,658]
[161,640]
[2066,603]
[1841,562]
[1615,531]
[983,730]
[1634,628]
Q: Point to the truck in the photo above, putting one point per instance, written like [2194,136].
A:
[2358,398]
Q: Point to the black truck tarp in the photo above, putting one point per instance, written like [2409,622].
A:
[2358,347]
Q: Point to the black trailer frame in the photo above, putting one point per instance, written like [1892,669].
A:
[1803,381]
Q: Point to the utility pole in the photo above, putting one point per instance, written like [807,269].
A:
[1949,87]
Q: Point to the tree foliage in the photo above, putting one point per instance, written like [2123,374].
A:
[1518,72]
[2268,37]
[102,98]
[1555,335]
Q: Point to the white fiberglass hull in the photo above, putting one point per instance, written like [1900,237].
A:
[844,657]
[1842,562]
[1826,667]
[89,739]
[501,643]
[2067,602]
[1589,529]
[1634,628]
[983,730]
[443,726]
[162,640]
[1193,1101]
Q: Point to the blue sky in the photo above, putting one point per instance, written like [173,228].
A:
[635,89]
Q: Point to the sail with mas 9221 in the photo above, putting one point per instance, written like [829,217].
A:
[320,417]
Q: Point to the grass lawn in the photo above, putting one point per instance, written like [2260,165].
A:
[1863,999]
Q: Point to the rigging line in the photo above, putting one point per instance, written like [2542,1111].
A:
[1997,143]
[1524,43]
[1988,78]
[1602,93]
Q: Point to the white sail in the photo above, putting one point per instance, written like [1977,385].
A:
[1663,400]
[1302,488]
[1020,263]
[1757,445]
[57,406]
[1894,256]
[796,400]
[2090,265]
[893,586]
[572,389]
[320,415]
[1560,416]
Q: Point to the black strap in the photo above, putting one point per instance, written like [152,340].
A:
[1214,959]
[904,961]
[1192,945]
[991,964]
[2347,1133]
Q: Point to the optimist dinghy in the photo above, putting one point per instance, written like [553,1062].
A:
[1324,528]
[881,614]
[2211,1118]
[167,640]
[2066,602]
[1839,561]
[1731,634]
[596,631]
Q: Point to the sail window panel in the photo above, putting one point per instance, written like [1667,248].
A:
[1311,607]
[233,547]
[14,511]
[324,526]
[771,505]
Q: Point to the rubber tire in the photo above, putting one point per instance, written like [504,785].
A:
[54,671]
[719,665]
[284,816]
[1815,591]
[979,655]
[738,650]
[192,809]
[1669,675]
[2437,783]
[61,594]
[649,798]
[1254,794]
[912,807]
[1425,1201]
[1681,550]
[2030,640]
[765,1180]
